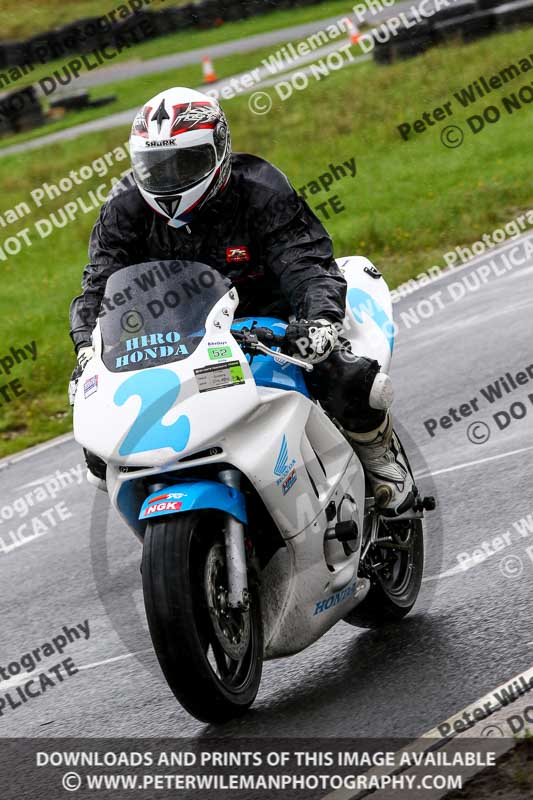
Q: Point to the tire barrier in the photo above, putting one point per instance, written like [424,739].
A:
[93,33]
[467,27]
[511,15]
[73,102]
[470,20]
[80,100]
[20,111]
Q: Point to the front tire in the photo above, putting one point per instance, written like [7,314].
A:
[211,655]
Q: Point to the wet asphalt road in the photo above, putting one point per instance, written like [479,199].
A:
[471,629]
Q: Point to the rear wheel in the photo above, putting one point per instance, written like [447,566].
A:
[211,654]
[395,565]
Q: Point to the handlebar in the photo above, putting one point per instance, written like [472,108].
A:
[263,335]
[268,337]
[262,340]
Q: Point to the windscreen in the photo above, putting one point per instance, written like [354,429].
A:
[154,313]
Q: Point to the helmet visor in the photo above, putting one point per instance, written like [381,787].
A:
[172,169]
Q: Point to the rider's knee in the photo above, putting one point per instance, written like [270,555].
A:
[360,418]
[344,383]
[357,374]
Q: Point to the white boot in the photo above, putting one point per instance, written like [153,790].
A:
[95,481]
[385,466]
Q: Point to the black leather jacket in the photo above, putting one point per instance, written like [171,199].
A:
[258,232]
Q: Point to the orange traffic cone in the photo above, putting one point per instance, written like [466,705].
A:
[208,70]
[353,30]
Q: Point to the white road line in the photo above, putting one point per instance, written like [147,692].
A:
[459,324]
[472,463]
[490,697]
[17,680]
[452,571]
[272,81]
[268,77]
[490,253]
[36,482]
[114,659]
[486,707]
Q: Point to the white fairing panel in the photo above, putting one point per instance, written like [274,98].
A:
[369,322]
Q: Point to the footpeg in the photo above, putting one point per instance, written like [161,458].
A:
[425,503]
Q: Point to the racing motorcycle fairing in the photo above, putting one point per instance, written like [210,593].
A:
[172,390]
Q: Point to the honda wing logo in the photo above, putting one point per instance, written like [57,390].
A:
[284,468]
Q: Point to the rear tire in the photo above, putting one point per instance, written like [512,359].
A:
[211,656]
[393,590]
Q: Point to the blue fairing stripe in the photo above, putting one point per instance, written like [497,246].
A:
[265,370]
[360,301]
[192,495]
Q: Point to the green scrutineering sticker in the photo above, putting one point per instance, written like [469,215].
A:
[216,353]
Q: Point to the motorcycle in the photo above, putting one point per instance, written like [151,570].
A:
[259,529]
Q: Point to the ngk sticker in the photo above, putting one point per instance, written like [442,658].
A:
[169,505]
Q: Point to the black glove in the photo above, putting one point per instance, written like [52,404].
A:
[311,341]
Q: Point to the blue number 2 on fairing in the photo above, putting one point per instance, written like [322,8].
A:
[158,390]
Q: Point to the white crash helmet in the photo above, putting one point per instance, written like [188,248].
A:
[180,151]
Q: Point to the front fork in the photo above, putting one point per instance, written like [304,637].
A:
[238,595]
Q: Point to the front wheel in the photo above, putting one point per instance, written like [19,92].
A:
[211,654]
[395,565]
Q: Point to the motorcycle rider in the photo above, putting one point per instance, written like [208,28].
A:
[191,198]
